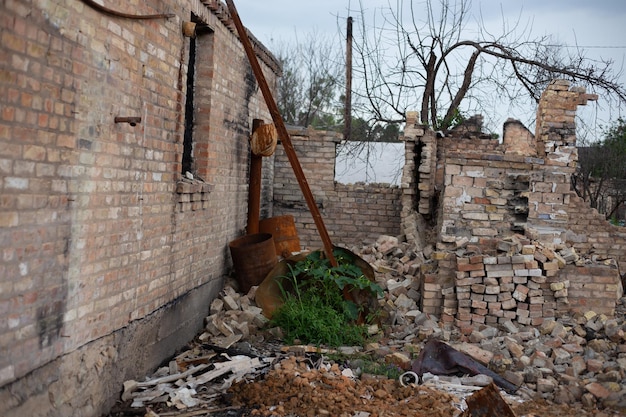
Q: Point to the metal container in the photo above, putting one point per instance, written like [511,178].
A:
[253,256]
[283,230]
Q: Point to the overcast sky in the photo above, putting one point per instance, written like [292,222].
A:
[598,22]
[597,25]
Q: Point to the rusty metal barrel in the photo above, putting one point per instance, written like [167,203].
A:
[253,256]
[283,230]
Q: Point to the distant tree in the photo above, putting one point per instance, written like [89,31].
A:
[309,91]
[421,55]
[367,131]
[601,175]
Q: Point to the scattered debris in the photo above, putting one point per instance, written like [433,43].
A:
[572,365]
[487,403]
[179,389]
[439,358]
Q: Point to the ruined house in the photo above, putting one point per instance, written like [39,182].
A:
[504,238]
[124,165]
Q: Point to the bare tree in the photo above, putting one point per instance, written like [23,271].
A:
[420,55]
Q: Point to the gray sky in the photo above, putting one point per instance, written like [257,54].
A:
[597,25]
[599,21]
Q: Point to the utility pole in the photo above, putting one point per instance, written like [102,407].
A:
[348,106]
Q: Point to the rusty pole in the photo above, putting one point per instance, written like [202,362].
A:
[282,133]
[254,190]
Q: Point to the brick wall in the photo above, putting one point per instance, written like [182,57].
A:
[485,197]
[352,214]
[590,288]
[591,234]
[98,232]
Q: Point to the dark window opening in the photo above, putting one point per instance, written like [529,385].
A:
[187,163]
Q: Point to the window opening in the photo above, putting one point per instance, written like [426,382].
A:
[187,162]
[369,162]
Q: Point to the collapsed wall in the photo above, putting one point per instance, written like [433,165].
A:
[506,239]
[509,245]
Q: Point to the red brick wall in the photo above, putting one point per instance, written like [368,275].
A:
[95,233]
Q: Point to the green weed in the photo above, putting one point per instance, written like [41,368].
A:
[315,309]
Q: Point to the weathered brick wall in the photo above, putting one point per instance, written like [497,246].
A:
[485,197]
[98,234]
[352,214]
[420,167]
[592,288]
[556,145]
[591,234]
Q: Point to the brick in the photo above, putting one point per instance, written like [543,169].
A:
[476,259]
[550,266]
[504,260]
[490,281]
[431,287]
[477,273]
[499,267]
[478,288]
[492,289]
[468,281]
[499,274]
[503,296]
[470,267]
[520,280]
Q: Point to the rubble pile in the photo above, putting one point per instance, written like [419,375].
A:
[338,393]
[578,358]
[568,364]
[521,282]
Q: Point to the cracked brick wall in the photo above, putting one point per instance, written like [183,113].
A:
[510,241]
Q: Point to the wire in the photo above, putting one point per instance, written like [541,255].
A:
[590,46]
[116,13]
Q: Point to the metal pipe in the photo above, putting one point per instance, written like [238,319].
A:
[131,120]
[408,378]
[283,134]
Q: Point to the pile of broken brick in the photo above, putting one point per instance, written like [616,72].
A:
[577,359]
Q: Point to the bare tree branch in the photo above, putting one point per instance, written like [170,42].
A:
[441,66]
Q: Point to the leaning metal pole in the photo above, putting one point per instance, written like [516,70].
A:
[282,133]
